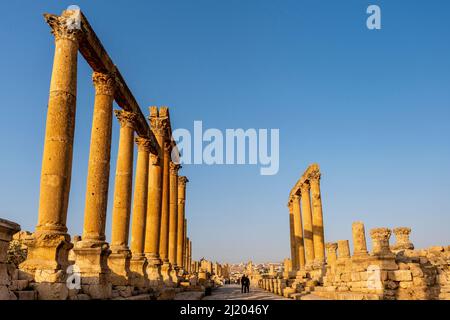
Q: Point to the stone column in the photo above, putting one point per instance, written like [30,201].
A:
[298,231]
[187,255]
[173,214]
[331,248]
[48,248]
[93,251]
[292,236]
[119,260]
[402,239]
[155,188]
[317,219]
[185,262]
[180,220]
[307,225]
[138,262]
[190,252]
[359,240]
[164,232]
[343,250]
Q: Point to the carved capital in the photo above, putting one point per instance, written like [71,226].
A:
[314,177]
[331,246]
[402,231]
[182,180]
[126,118]
[167,146]
[104,83]
[143,144]
[66,26]
[305,187]
[155,160]
[380,234]
[173,167]
[159,125]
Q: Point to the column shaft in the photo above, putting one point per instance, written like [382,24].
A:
[298,232]
[307,225]
[99,159]
[164,233]
[123,181]
[173,213]
[317,219]
[292,237]
[59,132]
[180,220]
[140,198]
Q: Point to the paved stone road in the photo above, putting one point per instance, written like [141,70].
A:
[233,292]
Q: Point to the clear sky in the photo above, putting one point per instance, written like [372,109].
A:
[371,107]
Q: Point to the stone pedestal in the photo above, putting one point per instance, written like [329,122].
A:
[138,268]
[119,263]
[92,262]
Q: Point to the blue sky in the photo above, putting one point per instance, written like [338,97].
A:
[371,107]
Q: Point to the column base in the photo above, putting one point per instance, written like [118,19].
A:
[166,269]
[91,260]
[47,258]
[119,263]
[138,267]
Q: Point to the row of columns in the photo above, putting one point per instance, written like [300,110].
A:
[158,226]
[306,222]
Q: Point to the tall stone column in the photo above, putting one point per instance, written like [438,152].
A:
[317,219]
[138,263]
[119,260]
[190,252]
[298,231]
[359,240]
[164,232]
[155,189]
[307,225]
[93,251]
[48,248]
[173,214]
[180,220]
[292,236]
[185,263]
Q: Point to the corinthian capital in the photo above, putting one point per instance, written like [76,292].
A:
[182,180]
[159,125]
[155,160]
[143,144]
[305,187]
[314,176]
[104,83]
[66,26]
[174,168]
[126,118]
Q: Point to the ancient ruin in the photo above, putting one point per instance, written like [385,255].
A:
[388,272]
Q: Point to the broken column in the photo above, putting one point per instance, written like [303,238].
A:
[402,239]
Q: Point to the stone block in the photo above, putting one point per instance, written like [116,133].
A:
[400,275]
[26,295]
[18,285]
[356,276]
[406,284]
[52,291]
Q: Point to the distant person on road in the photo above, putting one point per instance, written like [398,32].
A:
[245,284]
